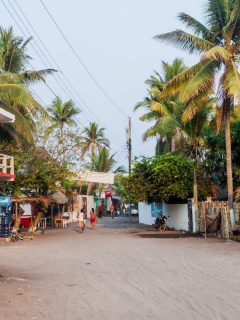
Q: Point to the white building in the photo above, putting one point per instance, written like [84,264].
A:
[6,162]
[179,216]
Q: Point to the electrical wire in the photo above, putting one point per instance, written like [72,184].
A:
[81,61]
[44,55]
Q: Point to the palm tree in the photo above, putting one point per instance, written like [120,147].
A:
[157,107]
[93,139]
[14,80]
[14,58]
[101,161]
[62,114]
[218,43]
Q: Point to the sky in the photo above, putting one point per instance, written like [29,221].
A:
[114,40]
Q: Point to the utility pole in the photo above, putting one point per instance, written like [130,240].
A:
[129,146]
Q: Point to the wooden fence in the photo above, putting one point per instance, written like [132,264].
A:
[213,217]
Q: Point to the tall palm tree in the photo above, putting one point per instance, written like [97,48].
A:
[14,58]
[14,80]
[102,161]
[93,139]
[218,43]
[62,114]
[157,107]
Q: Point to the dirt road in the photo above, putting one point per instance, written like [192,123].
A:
[113,274]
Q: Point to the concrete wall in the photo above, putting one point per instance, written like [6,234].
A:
[177,215]
[144,211]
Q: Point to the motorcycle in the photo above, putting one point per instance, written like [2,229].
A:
[160,223]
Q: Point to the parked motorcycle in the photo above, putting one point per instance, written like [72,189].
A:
[160,223]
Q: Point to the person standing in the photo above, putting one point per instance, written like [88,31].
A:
[100,210]
[112,211]
[81,221]
[93,218]
[84,217]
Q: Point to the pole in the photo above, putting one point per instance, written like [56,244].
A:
[129,146]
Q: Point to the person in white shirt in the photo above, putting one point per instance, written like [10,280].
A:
[81,221]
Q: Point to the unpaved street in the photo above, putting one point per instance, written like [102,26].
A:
[114,274]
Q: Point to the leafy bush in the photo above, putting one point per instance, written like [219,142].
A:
[166,177]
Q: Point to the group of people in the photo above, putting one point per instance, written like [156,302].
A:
[100,210]
[82,216]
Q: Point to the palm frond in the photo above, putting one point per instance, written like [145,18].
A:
[185,41]
[232,81]
[31,77]
[201,82]
[216,53]
[197,27]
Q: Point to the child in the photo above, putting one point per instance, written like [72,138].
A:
[81,221]
[93,218]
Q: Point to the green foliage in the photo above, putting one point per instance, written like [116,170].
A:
[36,172]
[167,178]
[93,139]
[215,154]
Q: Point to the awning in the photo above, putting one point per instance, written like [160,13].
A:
[6,117]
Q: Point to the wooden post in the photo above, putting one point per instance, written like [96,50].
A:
[34,224]
[52,224]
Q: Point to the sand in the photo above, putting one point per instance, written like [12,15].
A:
[112,273]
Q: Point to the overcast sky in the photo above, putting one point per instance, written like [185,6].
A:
[114,38]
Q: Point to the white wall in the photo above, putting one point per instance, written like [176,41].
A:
[177,215]
[144,211]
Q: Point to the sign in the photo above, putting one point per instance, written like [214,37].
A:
[108,193]
[5,201]
[97,177]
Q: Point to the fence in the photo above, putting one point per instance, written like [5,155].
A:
[213,217]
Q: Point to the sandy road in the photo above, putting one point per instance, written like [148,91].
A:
[114,274]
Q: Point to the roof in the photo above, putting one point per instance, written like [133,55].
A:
[35,200]
[7,176]
[6,117]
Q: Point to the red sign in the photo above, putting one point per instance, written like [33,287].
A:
[108,193]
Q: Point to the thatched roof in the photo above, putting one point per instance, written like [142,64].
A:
[59,197]
[45,201]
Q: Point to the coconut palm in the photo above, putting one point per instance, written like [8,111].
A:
[14,58]
[188,135]
[14,80]
[62,114]
[218,43]
[93,139]
[157,107]
[102,161]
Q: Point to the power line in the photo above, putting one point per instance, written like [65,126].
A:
[82,63]
[42,54]
[25,35]
[86,68]
[92,115]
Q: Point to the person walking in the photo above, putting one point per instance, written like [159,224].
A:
[93,218]
[84,217]
[100,210]
[81,221]
[112,211]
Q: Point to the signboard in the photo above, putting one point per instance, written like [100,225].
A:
[5,201]
[97,177]
[108,193]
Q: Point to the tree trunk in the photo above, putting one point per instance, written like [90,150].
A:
[173,144]
[228,156]
[62,141]
[195,193]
